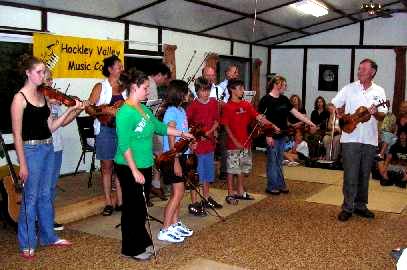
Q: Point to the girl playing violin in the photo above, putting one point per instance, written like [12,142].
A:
[109,91]
[276,106]
[32,126]
[174,230]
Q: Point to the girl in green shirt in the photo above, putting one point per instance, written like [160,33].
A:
[135,127]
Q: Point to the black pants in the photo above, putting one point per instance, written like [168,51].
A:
[135,237]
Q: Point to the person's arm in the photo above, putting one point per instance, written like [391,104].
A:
[17,110]
[171,142]
[302,117]
[233,138]
[54,124]
[95,94]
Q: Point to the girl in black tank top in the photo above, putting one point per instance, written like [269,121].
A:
[32,127]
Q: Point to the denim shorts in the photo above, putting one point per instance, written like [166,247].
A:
[206,168]
[106,143]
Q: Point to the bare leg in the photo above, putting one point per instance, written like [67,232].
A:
[240,188]
[172,207]
[206,190]
[230,184]
[106,170]
[119,200]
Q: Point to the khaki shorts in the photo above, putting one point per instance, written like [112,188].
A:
[238,161]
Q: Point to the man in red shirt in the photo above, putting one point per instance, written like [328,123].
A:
[236,117]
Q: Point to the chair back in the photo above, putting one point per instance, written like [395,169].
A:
[86,131]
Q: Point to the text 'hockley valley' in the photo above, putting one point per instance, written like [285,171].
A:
[83,50]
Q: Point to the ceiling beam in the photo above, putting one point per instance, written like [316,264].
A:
[243,14]
[339,11]
[251,16]
[330,20]
[139,9]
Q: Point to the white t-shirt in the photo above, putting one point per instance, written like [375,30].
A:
[222,91]
[303,148]
[57,134]
[353,96]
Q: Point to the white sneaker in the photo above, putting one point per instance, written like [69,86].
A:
[182,229]
[169,235]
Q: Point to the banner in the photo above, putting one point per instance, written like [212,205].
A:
[74,57]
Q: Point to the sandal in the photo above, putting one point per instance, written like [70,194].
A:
[62,243]
[244,196]
[107,211]
[27,254]
[231,200]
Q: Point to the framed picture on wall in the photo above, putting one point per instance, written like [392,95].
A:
[328,78]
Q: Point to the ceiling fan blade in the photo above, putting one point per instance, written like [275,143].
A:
[404,2]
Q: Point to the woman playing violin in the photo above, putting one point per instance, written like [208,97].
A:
[109,91]
[32,127]
[136,126]
[277,107]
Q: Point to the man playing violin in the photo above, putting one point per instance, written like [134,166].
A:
[360,145]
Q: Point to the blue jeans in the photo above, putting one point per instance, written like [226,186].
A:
[36,198]
[55,174]
[275,177]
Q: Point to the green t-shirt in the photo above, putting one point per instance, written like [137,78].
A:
[135,132]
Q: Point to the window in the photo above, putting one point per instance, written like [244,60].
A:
[10,77]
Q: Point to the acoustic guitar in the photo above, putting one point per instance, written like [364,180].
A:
[13,186]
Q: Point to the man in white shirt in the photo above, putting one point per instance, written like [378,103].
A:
[220,92]
[209,74]
[359,146]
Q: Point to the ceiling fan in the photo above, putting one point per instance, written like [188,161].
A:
[374,8]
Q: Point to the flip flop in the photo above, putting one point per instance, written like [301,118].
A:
[62,243]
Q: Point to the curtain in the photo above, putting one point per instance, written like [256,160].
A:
[169,59]
[400,79]
[256,79]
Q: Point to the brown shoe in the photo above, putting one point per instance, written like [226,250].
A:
[158,192]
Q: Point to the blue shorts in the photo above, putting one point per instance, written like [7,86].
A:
[206,168]
[106,143]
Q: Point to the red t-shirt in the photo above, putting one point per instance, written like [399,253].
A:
[237,116]
[205,115]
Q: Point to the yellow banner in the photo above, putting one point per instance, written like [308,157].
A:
[74,57]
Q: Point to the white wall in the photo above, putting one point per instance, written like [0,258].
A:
[380,31]
[348,35]
[289,63]
[241,49]
[186,44]
[330,57]
[101,29]
[20,17]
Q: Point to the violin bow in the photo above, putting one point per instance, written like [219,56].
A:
[189,64]
[190,79]
[254,128]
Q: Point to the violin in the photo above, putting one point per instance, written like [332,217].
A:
[348,122]
[52,93]
[165,161]
[104,113]
[268,130]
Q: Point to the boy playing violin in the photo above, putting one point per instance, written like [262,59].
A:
[236,117]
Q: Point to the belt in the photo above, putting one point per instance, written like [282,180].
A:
[34,142]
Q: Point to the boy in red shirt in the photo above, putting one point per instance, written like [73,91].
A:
[236,117]
[204,111]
